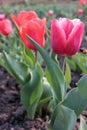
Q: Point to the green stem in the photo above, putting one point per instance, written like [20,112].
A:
[36,59]
[62,63]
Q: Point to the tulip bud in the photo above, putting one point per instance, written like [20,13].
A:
[2,16]
[50,13]
[5,27]
[80,11]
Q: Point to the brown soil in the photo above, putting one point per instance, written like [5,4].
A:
[13,115]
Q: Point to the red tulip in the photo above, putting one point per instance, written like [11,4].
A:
[22,17]
[31,25]
[66,36]
[5,27]
[80,11]
[82,2]
[50,13]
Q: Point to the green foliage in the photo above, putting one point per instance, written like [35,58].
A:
[55,75]
[32,91]
[75,101]
[46,87]
[82,86]
[63,118]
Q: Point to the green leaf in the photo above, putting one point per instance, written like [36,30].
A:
[63,118]
[55,74]
[74,101]
[82,86]
[4,47]
[32,91]
[18,69]
[29,56]
[82,64]
[71,63]
[67,75]
[47,94]
[83,125]
[4,64]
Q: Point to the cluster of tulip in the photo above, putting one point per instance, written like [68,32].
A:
[50,85]
[66,34]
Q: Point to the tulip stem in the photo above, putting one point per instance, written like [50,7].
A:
[62,63]
[36,56]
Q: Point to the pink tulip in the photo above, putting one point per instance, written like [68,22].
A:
[66,36]
[82,2]
[80,11]
[5,27]
[50,13]
[2,16]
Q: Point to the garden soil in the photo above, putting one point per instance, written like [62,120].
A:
[13,115]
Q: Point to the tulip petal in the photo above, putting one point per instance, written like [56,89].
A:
[25,16]
[58,37]
[32,29]
[75,38]
[67,25]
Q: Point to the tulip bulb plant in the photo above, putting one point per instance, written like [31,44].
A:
[47,86]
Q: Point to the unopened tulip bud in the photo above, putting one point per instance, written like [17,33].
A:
[80,11]
[50,13]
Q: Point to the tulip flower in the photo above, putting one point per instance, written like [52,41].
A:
[2,16]
[80,11]
[5,26]
[23,17]
[82,2]
[31,25]
[50,13]
[66,36]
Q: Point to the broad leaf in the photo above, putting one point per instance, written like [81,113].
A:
[32,91]
[74,101]
[18,69]
[47,94]
[82,86]
[55,74]
[63,118]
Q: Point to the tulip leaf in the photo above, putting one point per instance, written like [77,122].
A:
[67,75]
[55,74]
[4,47]
[82,86]
[71,63]
[75,101]
[47,94]
[18,69]
[29,56]
[82,62]
[4,64]
[63,118]
[83,125]
[32,91]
